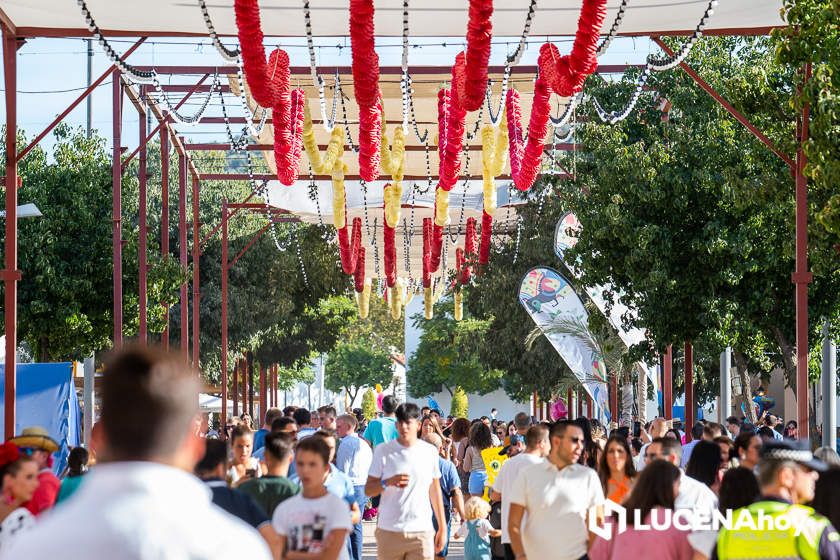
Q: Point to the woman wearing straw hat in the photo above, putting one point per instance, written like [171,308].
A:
[18,482]
[36,442]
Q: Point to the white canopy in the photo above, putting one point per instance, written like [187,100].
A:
[428,18]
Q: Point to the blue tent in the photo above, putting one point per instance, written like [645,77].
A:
[46,396]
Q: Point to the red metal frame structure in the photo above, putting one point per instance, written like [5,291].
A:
[10,275]
[688,358]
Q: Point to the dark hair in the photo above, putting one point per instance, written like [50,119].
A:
[481,437]
[558,429]
[77,461]
[724,440]
[739,488]
[734,420]
[148,403]
[766,432]
[460,428]
[215,454]
[697,430]
[289,410]
[670,446]
[324,433]
[743,441]
[713,430]
[389,404]
[583,423]
[329,410]
[827,495]
[315,445]
[280,423]
[271,415]
[535,435]
[636,444]
[302,416]
[677,435]
[240,430]
[407,411]
[521,420]
[13,468]
[604,469]
[278,445]
[654,487]
[704,463]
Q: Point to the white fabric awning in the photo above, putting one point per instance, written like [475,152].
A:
[428,18]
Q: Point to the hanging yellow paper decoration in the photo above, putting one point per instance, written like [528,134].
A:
[363,300]
[393,162]
[330,164]
[494,145]
[428,302]
[441,207]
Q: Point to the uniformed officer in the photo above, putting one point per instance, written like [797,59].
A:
[779,526]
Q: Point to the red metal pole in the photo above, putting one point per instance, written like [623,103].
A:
[689,389]
[142,240]
[196,286]
[182,250]
[589,409]
[116,174]
[224,361]
[263,392]
[164,219]
[613,392]
[249,384]
[11,274]
[802,277]
[668,383]
[569,403]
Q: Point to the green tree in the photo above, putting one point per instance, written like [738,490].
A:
[688,217]
[354,365]
[369,404]
[65,308]
[448,355]
[460,403]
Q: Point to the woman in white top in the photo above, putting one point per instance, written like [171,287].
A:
[19,480]
[243,466]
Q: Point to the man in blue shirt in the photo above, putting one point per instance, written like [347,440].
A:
[383,430]
[450,486]
[353,458]
[270,416]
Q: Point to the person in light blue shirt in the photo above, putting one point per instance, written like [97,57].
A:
[353,458]
[270,416]
[383,430]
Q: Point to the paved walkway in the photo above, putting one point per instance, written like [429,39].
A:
[456,548]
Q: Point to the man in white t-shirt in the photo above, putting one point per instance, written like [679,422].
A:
[693,494]
[536,448]
[557,495]
[405,472]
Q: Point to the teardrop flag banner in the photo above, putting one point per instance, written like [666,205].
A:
[546,295]
[564,239]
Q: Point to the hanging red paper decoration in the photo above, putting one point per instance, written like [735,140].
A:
[366,87]
[427,252]
[566,74]
[469,251]
[473,83]
[269,84]
[390,254]
[486,232]
[437,246]
[455,119]
[348,249]
[526,157]
[359,274]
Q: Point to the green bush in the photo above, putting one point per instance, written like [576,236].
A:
[460,404]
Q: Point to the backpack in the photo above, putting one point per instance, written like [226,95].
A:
[497,549]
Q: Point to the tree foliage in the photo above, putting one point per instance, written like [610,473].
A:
[460,406]
[369,404]
[353,365]
[448,355]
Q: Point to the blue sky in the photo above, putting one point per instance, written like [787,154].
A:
[52,72]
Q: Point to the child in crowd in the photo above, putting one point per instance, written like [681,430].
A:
[477,530]
[315,523]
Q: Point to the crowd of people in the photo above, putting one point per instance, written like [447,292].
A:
[158,481]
